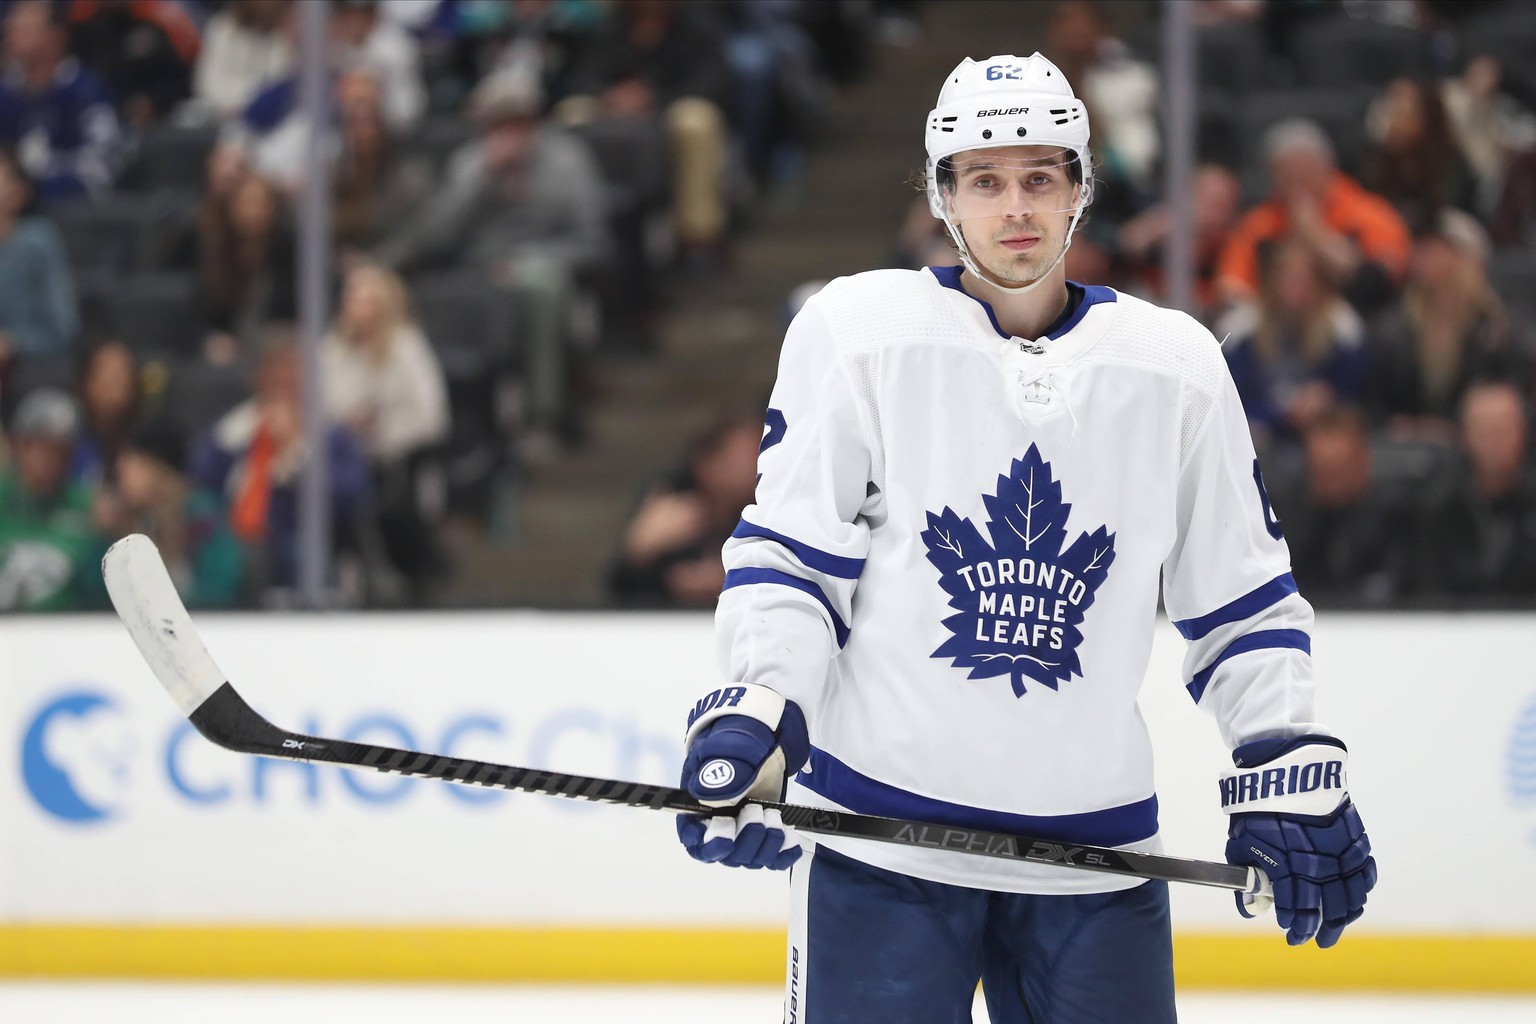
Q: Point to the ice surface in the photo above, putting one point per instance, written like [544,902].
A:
[132,1003]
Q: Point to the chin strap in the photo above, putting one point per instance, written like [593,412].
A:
[969,261]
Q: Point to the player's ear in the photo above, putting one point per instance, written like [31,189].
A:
[947,193]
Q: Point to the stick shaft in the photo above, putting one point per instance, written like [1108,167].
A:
[227,720]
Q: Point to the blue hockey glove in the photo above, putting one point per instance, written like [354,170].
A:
[743,742]
[1292,818]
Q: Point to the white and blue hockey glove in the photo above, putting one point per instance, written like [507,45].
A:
[743,742]
[1292,818]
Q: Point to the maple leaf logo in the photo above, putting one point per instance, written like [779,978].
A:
[1021,598]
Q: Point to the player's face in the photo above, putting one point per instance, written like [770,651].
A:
[1014,205]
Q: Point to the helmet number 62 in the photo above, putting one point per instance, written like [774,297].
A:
[998,72]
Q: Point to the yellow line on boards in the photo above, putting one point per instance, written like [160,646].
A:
[393,953]
[401,954]
[1419,963]
[1482,963]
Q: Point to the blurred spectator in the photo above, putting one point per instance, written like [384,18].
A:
[1481,538]
[1514,217]
[363,41]
[1448,332]
[1121,92]
[538,37]
[1351,541]
[245,48]
[225,167]
[1299,351]
[39,314]
[1415,163]
[383,381]
[245,261]
[412,15]
[923,240]
[253,457]
[658,59]
[524,203]
[627,139]
[1358,238]
[111,394]
[227,164]
[1217,202]
[1090,257]
[56,114]
[48,547]
[276,130]
[1208,13]
[845,34]
[1489,125]
[144,49]
[671,549]
[153,496]
[777,94]
[1278,25]
[378,185]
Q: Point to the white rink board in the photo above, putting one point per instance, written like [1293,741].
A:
[115,812]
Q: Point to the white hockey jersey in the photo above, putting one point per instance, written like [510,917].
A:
[953,560]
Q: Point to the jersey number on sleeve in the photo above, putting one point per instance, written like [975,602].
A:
[774,426]
[1271,521]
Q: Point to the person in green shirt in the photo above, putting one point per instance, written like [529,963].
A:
[48,546]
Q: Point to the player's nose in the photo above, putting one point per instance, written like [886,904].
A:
[1016,203]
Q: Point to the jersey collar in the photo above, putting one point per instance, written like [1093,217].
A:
[1080,298]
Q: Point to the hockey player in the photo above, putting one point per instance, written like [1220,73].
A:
[941,608]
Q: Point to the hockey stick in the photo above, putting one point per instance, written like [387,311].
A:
[147,602]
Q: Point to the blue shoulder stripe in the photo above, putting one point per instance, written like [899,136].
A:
[812,558]
[1247,606]
[748,577]
[1264,639]
[828,777]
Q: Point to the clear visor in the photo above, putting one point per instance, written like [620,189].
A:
[987,184]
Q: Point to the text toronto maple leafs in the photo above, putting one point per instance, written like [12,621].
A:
[1021,598]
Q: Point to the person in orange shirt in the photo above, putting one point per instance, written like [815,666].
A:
[1355,235]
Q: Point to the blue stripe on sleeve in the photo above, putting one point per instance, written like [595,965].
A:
[1247,606]
[828,777]
[811,558]
[748,577]
[1264,639]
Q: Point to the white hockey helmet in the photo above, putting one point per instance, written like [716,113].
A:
[1006,101]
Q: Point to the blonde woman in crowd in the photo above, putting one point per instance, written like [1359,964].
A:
[383,381]
[1448,332]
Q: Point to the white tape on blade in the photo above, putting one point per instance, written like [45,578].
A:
[147,602]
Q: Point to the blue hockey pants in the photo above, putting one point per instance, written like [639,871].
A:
[869,945]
